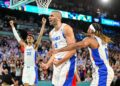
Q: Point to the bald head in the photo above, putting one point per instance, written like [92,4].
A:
[57,14]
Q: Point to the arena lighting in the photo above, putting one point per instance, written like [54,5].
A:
[65,14]
[105,1]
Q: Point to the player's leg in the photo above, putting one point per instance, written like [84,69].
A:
[24,76]
[67,74]
[33,76]
[55,77]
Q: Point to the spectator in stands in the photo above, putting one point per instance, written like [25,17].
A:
[7,79]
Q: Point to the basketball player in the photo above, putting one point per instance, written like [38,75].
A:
[97,44]
[61,36]
[29,71]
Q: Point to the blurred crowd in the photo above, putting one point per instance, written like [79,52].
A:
[86,7]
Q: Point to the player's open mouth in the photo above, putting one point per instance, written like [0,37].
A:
[50,21]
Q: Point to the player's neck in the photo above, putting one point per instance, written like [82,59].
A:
[57,27]
[29,44]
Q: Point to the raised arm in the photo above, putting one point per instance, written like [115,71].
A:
[40,34]
[50,61]
[20,41]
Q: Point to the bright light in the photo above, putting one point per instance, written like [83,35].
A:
[105,1]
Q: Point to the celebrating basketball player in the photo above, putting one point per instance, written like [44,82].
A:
[97,44]
[61,36]
[29,76]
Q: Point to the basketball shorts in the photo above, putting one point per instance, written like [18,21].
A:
[102,78]
[30,75]
[64,75]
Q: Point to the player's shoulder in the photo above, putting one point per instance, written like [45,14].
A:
[67,27]
[88,39]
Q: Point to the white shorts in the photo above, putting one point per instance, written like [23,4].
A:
[103,78]
[29,75]
[64,75]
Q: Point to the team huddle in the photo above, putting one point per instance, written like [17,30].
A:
[63,54]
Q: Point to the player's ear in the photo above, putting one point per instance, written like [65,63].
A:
[26,41]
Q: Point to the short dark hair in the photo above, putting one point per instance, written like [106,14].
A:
[59,14]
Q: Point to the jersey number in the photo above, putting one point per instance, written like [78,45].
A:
[55,45]
[28,53]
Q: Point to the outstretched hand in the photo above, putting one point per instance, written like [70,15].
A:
[44,66]
[44,20]
[51,52]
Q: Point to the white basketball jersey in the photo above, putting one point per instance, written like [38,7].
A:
[102,72]
[29,56]
[59,41]
[68,68]
[99,56]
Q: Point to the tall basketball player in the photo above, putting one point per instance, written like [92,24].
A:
[97,44]
[61,36]
[29,76]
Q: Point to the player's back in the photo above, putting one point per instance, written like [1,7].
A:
[29,56]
